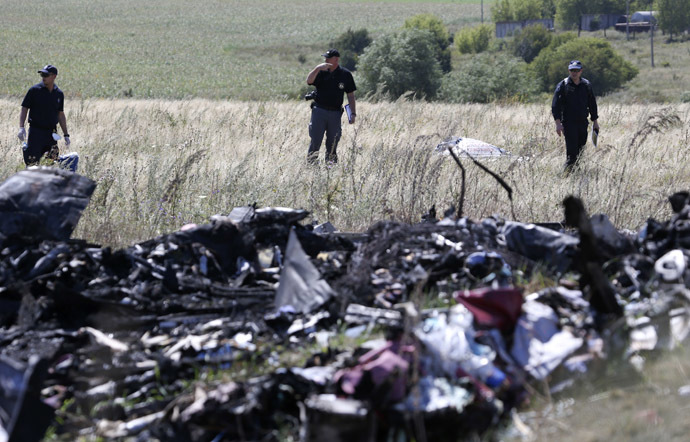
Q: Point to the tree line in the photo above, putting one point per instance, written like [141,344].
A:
[416,60]
[673,15]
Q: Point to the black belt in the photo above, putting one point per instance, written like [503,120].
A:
[328,108]
[39,126]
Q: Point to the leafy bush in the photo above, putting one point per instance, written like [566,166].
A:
[674,16]
[559,39]
[402,62]
[568,12]
[351,44]
[488,77]
[518,10]
[527,9]
[530,41]
[502,10]
[605,68]
[474,40]
[499,45]
[433,24]
[548,8]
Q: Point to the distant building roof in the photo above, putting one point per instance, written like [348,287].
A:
[643,16]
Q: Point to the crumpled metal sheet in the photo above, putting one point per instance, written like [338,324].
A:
[301,285]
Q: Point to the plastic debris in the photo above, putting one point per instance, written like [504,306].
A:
[475,148]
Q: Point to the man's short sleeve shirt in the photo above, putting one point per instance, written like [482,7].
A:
[44,105]
[332,85]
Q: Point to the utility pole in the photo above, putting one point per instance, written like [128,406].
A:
[651,39]
[651,28]
[627,20]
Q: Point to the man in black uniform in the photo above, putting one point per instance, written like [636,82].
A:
[572,102]
[331,81]
[45,105]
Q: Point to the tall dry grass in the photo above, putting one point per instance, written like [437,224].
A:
[161,164]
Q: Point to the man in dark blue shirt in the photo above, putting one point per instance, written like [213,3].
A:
[45,105]
[572,102]
[331,81]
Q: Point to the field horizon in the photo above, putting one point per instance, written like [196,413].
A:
[249,51]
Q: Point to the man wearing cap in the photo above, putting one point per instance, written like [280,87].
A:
[45,104]
[572,102]
[331,81]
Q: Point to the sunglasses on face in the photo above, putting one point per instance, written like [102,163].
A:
[574,70]
[44,75]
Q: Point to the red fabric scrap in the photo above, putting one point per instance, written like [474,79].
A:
[493,308]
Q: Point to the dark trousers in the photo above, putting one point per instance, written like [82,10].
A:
[39,143]
[328,122]
[575,134]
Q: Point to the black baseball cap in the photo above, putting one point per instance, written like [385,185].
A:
[48,69]
[332,53]
[575,64]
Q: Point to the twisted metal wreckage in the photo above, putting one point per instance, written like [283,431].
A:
[95,341]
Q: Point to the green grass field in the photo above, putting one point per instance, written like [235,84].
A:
[177,49]
[242,50]
[668,81]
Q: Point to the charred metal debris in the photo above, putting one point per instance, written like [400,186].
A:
[236,329]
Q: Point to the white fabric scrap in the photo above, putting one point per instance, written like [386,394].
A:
[539,345]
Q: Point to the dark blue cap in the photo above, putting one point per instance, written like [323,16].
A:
[332,53]
[48,69]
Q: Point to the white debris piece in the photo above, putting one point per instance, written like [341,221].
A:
[470,146]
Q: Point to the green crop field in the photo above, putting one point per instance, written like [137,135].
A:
[243,50]
[237,49]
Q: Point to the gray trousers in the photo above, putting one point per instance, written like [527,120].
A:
[328,122]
